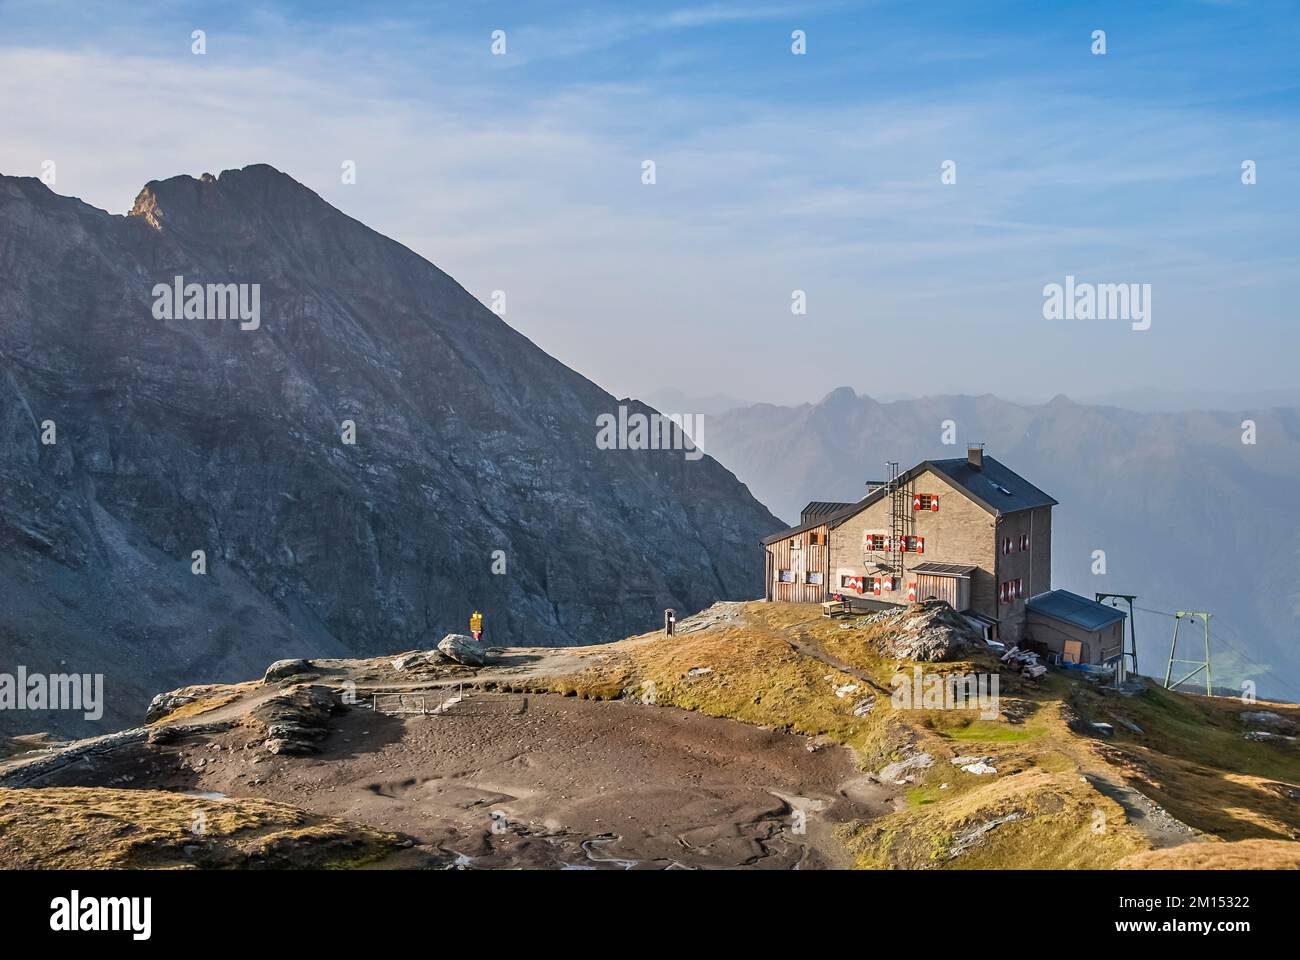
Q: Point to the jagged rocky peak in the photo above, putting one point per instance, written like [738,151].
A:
[472,479]
[255,191]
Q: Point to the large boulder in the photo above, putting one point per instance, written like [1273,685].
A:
[283,669]
[165,703]
[901,771]
[463,649]
[1268,720]
[297,719]
[926,632]
[419,660]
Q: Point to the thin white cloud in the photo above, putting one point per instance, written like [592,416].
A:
[539,194]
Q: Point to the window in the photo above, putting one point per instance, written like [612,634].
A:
[1006,545]
[851,583]
[1010,590]
[787,576]
[914,544]
[813,538]
[873,542]
[1024,541]
[925,501]
[814,576]
[796,543]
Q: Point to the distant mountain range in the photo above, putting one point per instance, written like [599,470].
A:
[670,400]
[1188,515]
[475,480]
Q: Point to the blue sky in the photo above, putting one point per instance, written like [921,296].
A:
[775,172]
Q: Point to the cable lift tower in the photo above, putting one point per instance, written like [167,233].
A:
[1198,664]
[1132,652]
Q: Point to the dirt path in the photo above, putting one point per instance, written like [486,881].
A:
[807,648]
[1155,823]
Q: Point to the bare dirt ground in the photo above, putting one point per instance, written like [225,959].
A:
[548,758]
[506,780]
[517,780]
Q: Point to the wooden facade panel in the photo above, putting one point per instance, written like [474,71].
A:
[806,557]
[955,590]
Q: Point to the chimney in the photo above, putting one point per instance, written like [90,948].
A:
[975,455]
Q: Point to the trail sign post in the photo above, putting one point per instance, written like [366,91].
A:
[476,625]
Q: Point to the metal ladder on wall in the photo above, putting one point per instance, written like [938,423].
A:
[897,523]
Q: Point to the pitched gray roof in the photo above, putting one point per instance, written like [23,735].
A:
[831,520]
[996,487]
[822,509]
[1072,608]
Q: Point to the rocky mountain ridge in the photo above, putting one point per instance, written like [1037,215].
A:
[132,437]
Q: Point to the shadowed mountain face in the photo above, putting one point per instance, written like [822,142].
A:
[178,435]
[1188,515]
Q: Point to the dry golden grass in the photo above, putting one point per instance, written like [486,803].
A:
[1239,855]
[1062,824]
[1191,757]
[197,708]
[68,828]
[757,677]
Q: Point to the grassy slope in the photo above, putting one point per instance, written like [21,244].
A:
[1190,758]
[93,828]
[1241,855]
